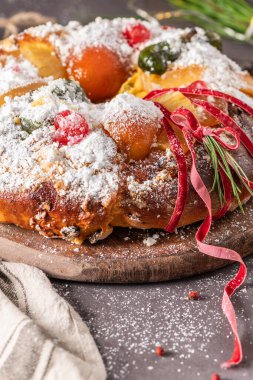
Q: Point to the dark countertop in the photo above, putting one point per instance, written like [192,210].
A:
[127,321]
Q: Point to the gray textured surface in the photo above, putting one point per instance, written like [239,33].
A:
[127,321]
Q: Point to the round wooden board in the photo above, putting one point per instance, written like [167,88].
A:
[124,257]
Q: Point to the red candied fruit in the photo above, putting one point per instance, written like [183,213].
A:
[71,127]
[192,295]
[215,376]
[159,351]
[136,34]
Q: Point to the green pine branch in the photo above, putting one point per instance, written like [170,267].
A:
[221,158]
[226,17]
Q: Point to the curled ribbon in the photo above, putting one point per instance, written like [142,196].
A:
[188,123]
[182,118]
[182,171]
[185,119]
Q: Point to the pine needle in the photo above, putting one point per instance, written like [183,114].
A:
[221,158]
[230,18]
[217,179]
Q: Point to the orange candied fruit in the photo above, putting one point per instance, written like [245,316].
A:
[134,140]
[99,71]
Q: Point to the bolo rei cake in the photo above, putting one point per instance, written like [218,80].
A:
[100,125]
[124,123]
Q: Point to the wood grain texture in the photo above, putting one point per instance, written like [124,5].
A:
[123,257]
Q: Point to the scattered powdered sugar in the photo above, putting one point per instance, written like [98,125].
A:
[95,175]
[151,240]
[87,169]
[220,73]
[128,322]
[125,107]
[45,30]
[171,35]
[101,32]
[17,72]
[137,190]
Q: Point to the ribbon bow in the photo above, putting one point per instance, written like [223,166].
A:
[185,120]
[188,123]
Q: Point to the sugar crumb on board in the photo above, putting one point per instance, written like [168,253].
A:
[151,240]
[128,322]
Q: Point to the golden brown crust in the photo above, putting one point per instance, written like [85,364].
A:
[148,187]
[146,203]
[45,211]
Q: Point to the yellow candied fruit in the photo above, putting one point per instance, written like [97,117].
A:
[248,84]
[141,83]
[19,91]
[17,120]
[42,55]
[173,101]
[38,102]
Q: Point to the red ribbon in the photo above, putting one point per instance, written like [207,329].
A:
[182,171]
[193,89]
[226,120]
[191,129]
[181,118]
[200,88]
[200,132]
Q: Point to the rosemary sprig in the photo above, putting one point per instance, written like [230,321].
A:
[214,158]
[220,157]
[227,17]
[239,171]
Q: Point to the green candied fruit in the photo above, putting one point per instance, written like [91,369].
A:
[211,37]
[155,58]
[70,90]
[29,126]
[214,39]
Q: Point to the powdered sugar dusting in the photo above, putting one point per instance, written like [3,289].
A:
[151,240]
[44,30]
[128,322]
[90,168]
[17,72]
[78,171]
[125,107]
[74,38]
[220,73]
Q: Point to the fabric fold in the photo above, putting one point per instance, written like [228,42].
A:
[41,335]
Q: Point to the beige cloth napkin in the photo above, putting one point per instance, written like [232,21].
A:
[41,336]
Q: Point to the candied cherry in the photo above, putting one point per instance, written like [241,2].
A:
[71,127]
[99,71]
[136,34]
